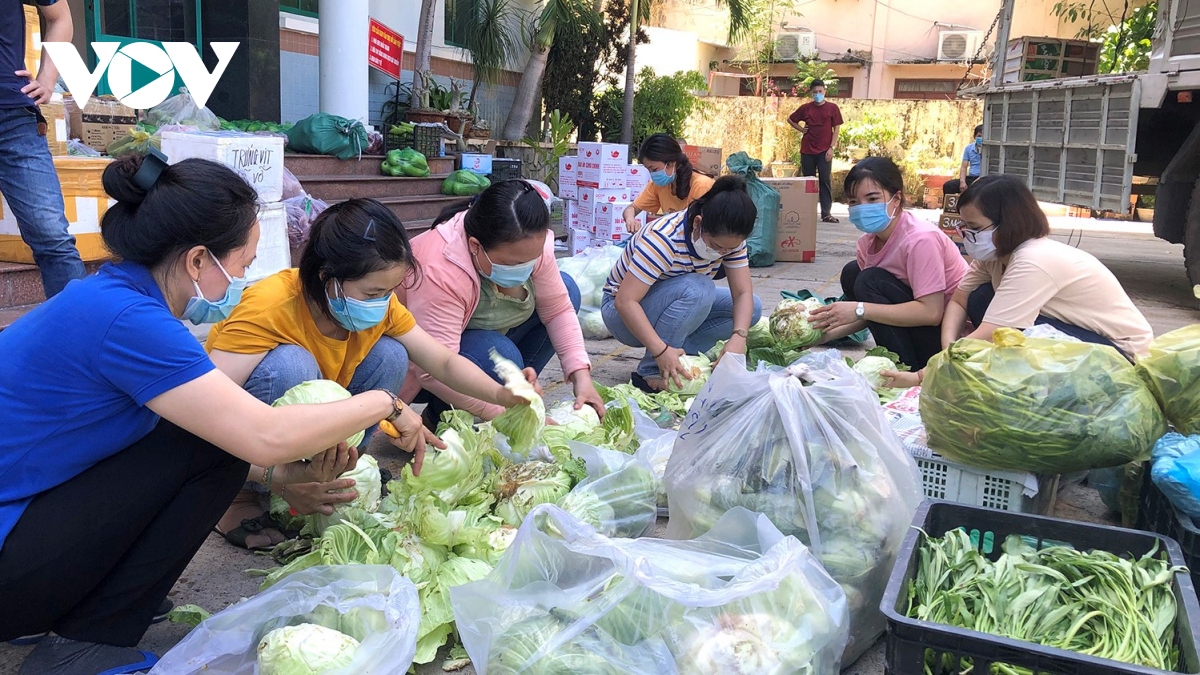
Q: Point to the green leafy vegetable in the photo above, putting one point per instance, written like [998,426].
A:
[318,391]
[522,425]
[790,326]
[305,649]
[523,486]
[699,367]
[1172,371]
[188,615]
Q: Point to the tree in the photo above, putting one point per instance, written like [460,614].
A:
[421,66]
[493,34]
[556,15]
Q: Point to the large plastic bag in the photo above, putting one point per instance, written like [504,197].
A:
[291,185]
[762,242]
[590,271]
[1176,471]
[742,598]
[655,449]
[301,212]
[1030,404]
[326,134]
[182,109]
[809,447]
[1172,371]
[618,497]
[371,603]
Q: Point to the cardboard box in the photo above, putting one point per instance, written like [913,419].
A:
[602,165]
[476,163]
[637,179]
[610,223]
[578,241]
[571,216]
[568,176]
[950,203]
[56,126]
[104,120]
[84,202]
[949,224]
[258,159]
[799,208]
[33,39]
[704,160]
[589,197]
[274,253]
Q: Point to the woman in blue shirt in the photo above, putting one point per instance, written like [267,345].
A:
[122,443]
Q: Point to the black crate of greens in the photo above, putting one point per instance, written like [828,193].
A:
[424,138]
[505,169]
[908,638]
[1156,513]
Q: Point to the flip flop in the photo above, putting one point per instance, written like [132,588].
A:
[640,382]
[237,536]
[829,219]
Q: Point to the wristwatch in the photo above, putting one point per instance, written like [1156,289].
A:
[742,332]
[860,311]
[387,425]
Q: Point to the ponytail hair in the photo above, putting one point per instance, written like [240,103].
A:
[508,211]
[663,148]
[727,209]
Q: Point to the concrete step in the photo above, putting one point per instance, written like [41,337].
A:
[20,285]
[10,314]
[337,188]
[322,165]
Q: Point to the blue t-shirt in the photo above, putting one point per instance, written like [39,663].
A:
[975,158]
[12,53]
[75,377]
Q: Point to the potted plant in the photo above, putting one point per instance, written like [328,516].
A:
[480,128]
[433,102]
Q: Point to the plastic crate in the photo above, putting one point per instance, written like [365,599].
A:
[1156,513]
[425,139]
[1003,490]
[505,169]
[908,639]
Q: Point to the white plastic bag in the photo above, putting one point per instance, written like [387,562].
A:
[655,449]
[619,495]
[743,598]
[590,271]
[809,447]
[371,603]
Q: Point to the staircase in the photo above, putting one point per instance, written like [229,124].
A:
[21,290]
[415,201]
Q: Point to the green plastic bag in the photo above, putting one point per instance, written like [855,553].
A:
[325,134]
[804,294]
[1039,405]
[762,242]
[1172,371]
[463,183]
[407,163]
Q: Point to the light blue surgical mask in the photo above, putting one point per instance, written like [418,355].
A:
[201,310]
[510,276]
[871,218]
[819,97]
[356,315]
[978,143]
[661,179]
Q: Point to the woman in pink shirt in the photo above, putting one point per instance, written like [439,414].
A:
[489,280]
[904,274]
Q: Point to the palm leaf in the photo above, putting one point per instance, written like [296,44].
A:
[493,35]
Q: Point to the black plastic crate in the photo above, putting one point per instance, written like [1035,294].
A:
[505,169]
[425,139]
[1156,513]
[908,639]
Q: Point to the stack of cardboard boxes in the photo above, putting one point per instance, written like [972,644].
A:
[596,187]
[950,221]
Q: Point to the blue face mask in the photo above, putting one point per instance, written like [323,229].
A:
[510,276]
[201,310]
[661,179]
[354,314]
[978,143]
[819,97]
[871,218]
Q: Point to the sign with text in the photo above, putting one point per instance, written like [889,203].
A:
[385,49]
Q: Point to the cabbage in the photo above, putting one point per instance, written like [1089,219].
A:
[760,334]
[592,323]
[700,368]
[522,425]
[369,486]
[318,391]
[872,368]
[523,486]
[790,326]
[305,649]
[574,421]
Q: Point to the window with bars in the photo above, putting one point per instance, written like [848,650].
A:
[305,7]
[458,21]
[786,84]
[927,90]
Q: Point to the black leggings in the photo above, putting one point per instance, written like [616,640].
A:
[981,298]
[92,558]
[914,344]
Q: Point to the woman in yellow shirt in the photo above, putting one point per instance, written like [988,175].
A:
[334,318]
[674,183]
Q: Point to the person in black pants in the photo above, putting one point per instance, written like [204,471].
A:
[972,166]
[819,121]
[122,443]
[913,344]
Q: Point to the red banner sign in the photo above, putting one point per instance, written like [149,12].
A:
[385,49]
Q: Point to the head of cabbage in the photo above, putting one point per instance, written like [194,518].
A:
[700,367]
[318,391]
[369,486]
[790,326]
[305,649]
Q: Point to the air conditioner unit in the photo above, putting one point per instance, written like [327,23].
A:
[958,45]
[792,45]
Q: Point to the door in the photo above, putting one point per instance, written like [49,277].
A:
[155,21]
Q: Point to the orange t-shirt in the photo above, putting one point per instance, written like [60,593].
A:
[657,200]
[274,312]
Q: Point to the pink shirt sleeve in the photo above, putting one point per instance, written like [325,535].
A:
[557,313]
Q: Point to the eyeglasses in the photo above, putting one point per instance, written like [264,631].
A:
[969,235]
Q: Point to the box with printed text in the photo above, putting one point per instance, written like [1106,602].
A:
[568,177]
[590,197]
[703,159]
[799,204]
[602,165]
[636,180]
[578,241]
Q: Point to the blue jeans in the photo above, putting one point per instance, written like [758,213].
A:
[689,312]
[288,365]
[30,185]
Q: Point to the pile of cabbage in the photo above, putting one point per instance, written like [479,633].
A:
[1039,405]
[809,447]
[742,598]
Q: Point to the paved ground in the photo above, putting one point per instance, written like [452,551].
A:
[1151,271]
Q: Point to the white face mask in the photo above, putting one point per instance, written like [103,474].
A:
[704,251]
[982,249]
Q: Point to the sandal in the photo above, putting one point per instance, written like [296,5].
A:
[640,382]
[238,535]
[829,219]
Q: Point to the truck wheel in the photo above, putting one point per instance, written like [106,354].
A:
[1191,237]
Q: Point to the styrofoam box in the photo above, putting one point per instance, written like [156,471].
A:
[578,241]
[259,159]
[636,180]
[602,165]
[274,250]
[568,172]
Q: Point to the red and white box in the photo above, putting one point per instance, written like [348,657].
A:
[568,174]
[636,179]
[571,216]
[610,223]
[602,166]
[590,197]
[578,241]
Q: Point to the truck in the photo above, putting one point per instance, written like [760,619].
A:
[1096,141]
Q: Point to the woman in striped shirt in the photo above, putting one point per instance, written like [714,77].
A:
[661,294]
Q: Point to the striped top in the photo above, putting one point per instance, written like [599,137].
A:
[663,250]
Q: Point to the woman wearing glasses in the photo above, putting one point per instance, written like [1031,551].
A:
[904,274]
[661,293]
[334,318]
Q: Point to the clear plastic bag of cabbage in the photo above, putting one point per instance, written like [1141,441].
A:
[1044,406]
[373,604]
[619,495]
[809,447]
[590,271]
[1172,371]
[741,599]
